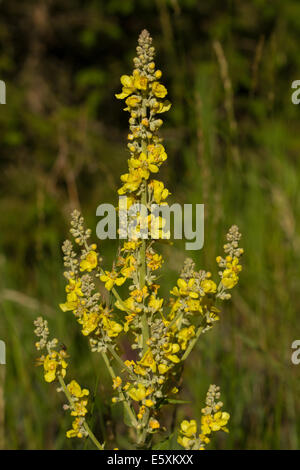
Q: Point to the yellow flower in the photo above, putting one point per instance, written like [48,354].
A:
[79,408]
[144,164]
[139,370]
[128,87]
[133,101]
[141,412]
[131,245]
[209,286]
[162,106]
[185,288]
[159,90]
[148,360]
[188,428]
[138,393]
[140,82]
[140,294]
[117,382]
[157,153]
[170,351]
[154,261]
[230,274]
[214,422]
[89,322]
[54,363]
[75,431]
[154,303]
[132,181]
[75,389]
[89,262]
[154,424]
[184,441]
[112,278]
[185,335]
[74,287]
[160,193]
[111,327]
[148,403]
[72,302]
[163,368]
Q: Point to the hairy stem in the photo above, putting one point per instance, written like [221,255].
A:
[127,406]
[85,425]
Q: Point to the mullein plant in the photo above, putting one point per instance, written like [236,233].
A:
[161,334]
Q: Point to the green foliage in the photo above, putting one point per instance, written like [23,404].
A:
[235,151]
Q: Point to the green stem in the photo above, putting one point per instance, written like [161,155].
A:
[174,320]
[142,277]
[121,362]
[85,425]
[125,402]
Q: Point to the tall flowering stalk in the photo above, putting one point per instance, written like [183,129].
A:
[162,334]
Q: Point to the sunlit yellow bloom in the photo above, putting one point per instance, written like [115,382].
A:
[188,428]
[185,288]
[148,360]
[128,87]
[163,368]
[148,403]
[170,351]
[154,261]
[117,382]
[89,322]
[162,106]
[139,370]
[112,278]
[89,262]
[132,181]
[131,245]
[72,302]
[75,431]
[159,90]
[111,327]
[75,389]
[140,82]
[154,303]
[184,335]
[184,441]
[133,101]
[54,363]
[140,294]
[79,408]
[214,422]
[74,287]
[141,412]
[160,193]
[154,424]
[209,286]
[138,393]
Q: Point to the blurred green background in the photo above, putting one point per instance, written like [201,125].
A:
[232,137]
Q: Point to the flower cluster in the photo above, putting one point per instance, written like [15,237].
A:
[162,333]
[55,365]
[212,420]
[82,298]
[54,362]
